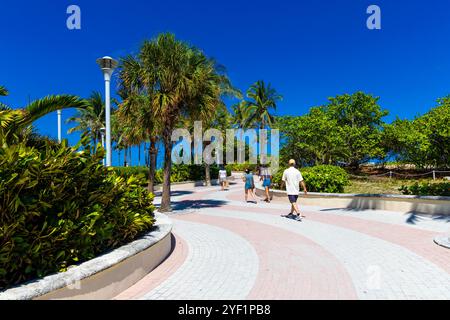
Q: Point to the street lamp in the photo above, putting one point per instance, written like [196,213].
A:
[108,65]
[102,133]
[59,126]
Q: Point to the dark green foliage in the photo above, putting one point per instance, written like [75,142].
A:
[424,141]
[347,129]
[59,207]
[323,178]
[180,173]
[240,167]
[427,189]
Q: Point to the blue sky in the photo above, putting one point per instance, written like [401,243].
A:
[308,50]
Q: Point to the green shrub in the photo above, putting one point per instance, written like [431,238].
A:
[180,173]
[324,178]
[127,172]
[427,189]
[60,207]
[240,167]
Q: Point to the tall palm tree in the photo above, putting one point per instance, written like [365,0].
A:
[13,122]
[90,120]
[182,82]
[138,108]
[241,114]
[263,98]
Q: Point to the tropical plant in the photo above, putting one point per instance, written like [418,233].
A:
[3,91]
[312,139]
[360,119]
[182,82]
[138,107]
[262,99]
[60,207]
[424,141]
[14,123]
[240,115]
[91,119]
[323,178]
[427,189]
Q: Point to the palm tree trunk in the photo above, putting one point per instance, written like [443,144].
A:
[165,199]
[207,175]
[207,168]
[152,153]
[131,156]
[139,154]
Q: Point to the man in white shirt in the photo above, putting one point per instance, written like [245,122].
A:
[223,178]
[293,178]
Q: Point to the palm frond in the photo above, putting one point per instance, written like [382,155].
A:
[3,91]
[42,107]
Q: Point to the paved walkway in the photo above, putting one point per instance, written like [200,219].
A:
[228,249]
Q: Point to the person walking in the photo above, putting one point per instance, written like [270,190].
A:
[223,177]
[249,185]
[293,178]
[266,178]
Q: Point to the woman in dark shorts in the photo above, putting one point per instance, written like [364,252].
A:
[266,178]
[249,185]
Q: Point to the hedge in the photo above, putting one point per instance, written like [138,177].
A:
[323,178]
[180,173]
[427,189]
[60,207]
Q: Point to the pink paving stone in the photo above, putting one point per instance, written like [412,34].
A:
[416,240]
[159,274]
[291,266]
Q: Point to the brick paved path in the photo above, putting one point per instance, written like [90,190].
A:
[228,249]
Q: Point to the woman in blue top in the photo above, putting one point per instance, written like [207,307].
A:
[249,185]
[266,178]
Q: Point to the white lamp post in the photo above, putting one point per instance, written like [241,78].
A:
[108,65]
[102,132]
[59,126]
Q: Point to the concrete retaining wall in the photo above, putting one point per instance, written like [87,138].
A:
[399,203]
[106,276]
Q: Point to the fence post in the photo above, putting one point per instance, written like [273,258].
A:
[434,175]
[390,174]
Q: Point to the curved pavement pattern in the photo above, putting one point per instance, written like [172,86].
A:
[227,249]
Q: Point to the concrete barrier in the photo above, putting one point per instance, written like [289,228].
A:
[105,276]
[399,203]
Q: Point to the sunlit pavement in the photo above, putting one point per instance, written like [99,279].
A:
[228,249]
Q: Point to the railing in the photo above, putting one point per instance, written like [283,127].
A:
[392,174]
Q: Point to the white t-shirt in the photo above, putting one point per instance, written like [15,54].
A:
[292,177]
[222,174]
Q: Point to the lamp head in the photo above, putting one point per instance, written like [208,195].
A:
[107,63]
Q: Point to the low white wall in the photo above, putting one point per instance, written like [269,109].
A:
[399,203]
[105,276]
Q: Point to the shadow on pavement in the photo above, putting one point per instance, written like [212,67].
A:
[197,204]
[174,193]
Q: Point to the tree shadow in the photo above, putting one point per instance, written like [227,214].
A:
[417,213]
[174,193]
[197,204]
[437,214]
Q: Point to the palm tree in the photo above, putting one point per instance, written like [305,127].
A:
[3,91]
[90,120]
[262,99]
[182,82]
[241,114]
[138,109]
[13,122]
